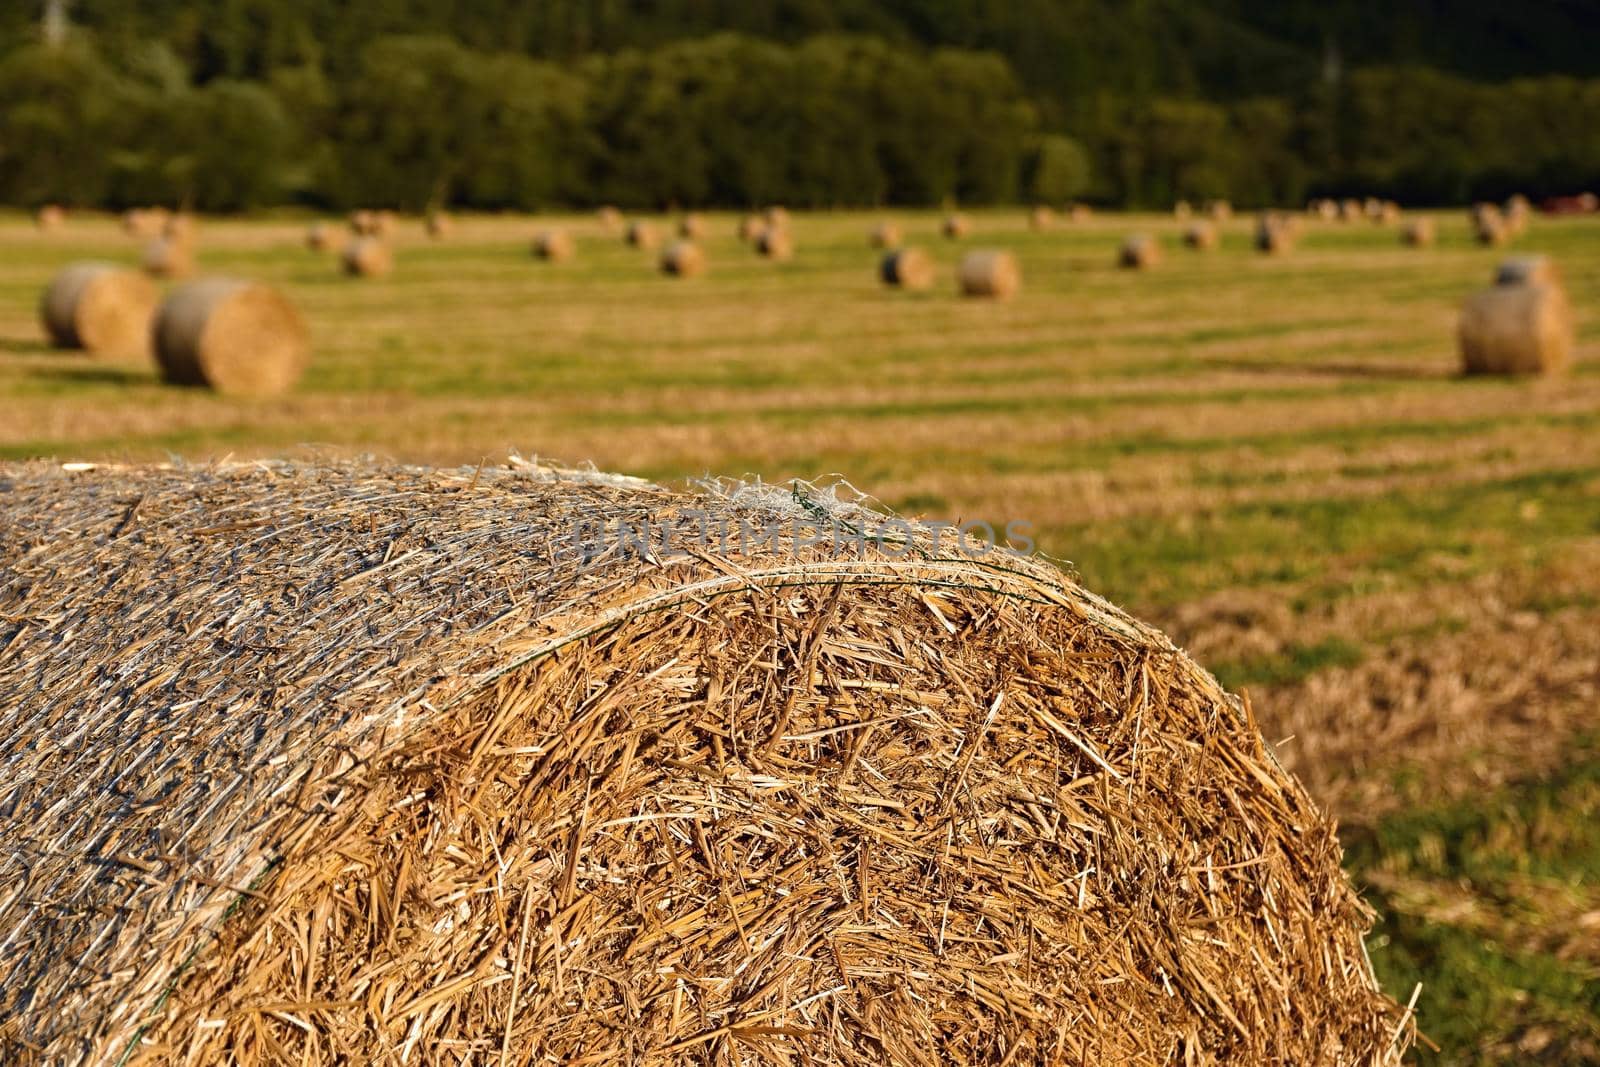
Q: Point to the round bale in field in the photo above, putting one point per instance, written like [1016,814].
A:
[439,225]
[1080,213]
[775,242]
[1349,210]
[144,222]
[1200,235]
[1521,325]
[641,234]
[907,268]
[992,273]
[692,227]
[610,219]
[1220,210]
[776,217]
[1274,234]
[955,226]
[1489,224]
[1182,210]
[885,235]
[1139,251]
[683,259]
[367,257]
[319,237]
[233,336]
[50,217]
[1418,233]
[311,764]
[168,257]
[553,245]
[750,227]
[1041,218]
[100,308]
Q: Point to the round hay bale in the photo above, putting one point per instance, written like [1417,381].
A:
[750,227]
[641,234]
[168,257]
[992,273]
[1517,329]
[1200,235]
[384,224]
[439,225]
[683,259]
[1349,210]
[1041,218]
[364,222]
[885,235]
[1372,208]
[319,237]
[610,219]
[920,810]
[100,308]
[1528,270]
[367,257]
[692,227]
[1182,210]
[907,268]
[1489,226]
[1274,236]
[1220,210]
[1387,213]
[144,222]
[232,336]
[180,226]
[50,217]
[1518,212]
[1139,251]
[1080,213]
[775,242]
[1324,209]
[553,245]
[956,226]
[776,217]
[1418,233]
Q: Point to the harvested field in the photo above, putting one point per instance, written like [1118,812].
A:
[1417,556]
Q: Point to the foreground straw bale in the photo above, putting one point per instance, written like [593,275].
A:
[368,765]
[100,308]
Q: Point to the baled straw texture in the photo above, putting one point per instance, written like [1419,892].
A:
[776,217]
[610,219]
[1274,234]
[232,336]
[907,268]
[99,307]
[683,259]
[990,273]
[1528,270]
[359,765]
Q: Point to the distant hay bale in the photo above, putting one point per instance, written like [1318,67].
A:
[367,257]
[439,225]
[235,337]
[312,764]
[50,217]
[168,257]
[1274,234]
[1220,210]
[100,308]
[1200,235]
[641,234]
[319,237]
[683,259]
[363,222]
[1041,218]
[776,217]
[1079,213]
[775,242]
[553,245]
[144,222]
[1528,270]
[1349,210]
[1182,210]
[610,219]
[1489,225]
[1139,251]
[992,273]
[885,235]
[1324,209]
[1386,213]
[1418,233]
[907,268]
[955,226]
[750,227]
[1524,328]
[1518,212]
[1372,208]
[180,226]
[692,227]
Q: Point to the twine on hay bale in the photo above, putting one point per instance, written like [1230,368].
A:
[956,226]
[232,336]
[50,217]
[775,242]
[683,259]
[367,257]
[1418,233]
[907,268]
[641,234]
[1522,324]
[349,760]
[1200,235]
[885,235]
[992,273]
[100,308]
[1139,251]
[167,257]
[554,245]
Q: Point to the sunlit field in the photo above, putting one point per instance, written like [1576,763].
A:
[1271,457]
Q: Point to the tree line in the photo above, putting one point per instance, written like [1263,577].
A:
[733,120]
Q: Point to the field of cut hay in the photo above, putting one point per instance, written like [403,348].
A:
[1271,457]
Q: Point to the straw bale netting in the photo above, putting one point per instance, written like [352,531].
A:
[50,217]
[1139,251]
[641,234]
[775,242]
[555,245]
[1523,324]
[955,226]
[885,235]
[99,307]
[989,272]
[233,336]
[319,237]
[367,257]
[907,268]
[1418,233]
[1201,235]
[683,259]
[1041,218]
[168,257]
[381,766]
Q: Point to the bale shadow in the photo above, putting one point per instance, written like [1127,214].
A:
[92,374]
[25,346]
